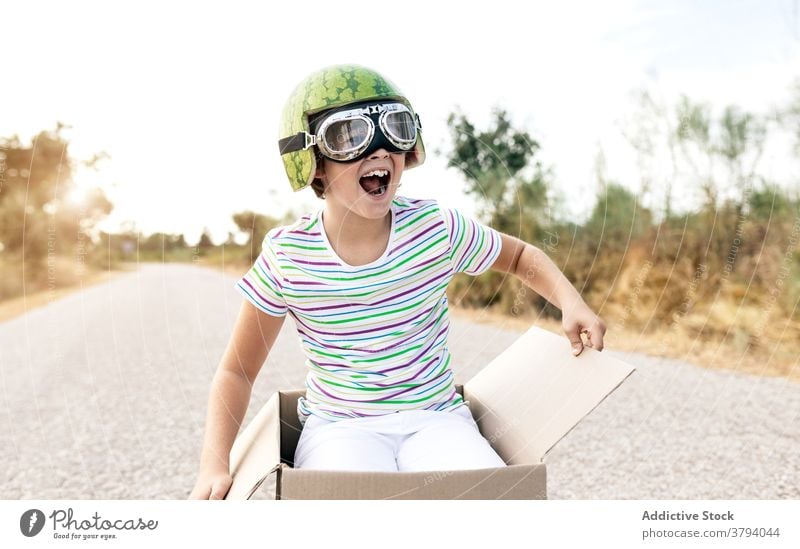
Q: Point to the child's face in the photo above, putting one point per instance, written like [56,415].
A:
[348,184]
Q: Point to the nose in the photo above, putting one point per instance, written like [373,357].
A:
[379,153]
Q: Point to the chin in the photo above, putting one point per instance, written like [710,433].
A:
[374,208]
[376,211]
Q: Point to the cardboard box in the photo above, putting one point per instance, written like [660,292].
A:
[524,402]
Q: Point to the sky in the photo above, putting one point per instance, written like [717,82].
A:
[185,98]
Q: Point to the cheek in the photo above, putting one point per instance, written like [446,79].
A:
[398,162]
[341,175]
[399,166]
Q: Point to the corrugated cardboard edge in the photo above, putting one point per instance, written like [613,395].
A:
[589,412]
[521,482]
[256,452]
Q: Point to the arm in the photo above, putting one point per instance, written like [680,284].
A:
[253,336]
[537,271]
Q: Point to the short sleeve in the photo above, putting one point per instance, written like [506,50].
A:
[474,246]
[262,285]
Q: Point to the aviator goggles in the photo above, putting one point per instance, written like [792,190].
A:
[348,134]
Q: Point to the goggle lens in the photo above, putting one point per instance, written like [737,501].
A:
[400,126]
[347,135]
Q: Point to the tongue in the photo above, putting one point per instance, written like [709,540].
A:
[370,184]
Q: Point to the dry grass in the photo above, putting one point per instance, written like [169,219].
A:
[774,354]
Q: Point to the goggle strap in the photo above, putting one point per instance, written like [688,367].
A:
[297,142]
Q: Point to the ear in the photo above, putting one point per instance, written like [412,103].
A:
[320,171]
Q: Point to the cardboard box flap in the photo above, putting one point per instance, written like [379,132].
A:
[536,391]
[256,452]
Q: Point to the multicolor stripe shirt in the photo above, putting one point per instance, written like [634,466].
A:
[374,335]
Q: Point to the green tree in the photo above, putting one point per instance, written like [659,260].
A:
[502,173]
[205,243]
[508,183]
[789,116]
[618,218]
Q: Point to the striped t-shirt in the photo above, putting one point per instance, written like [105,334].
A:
[374,335]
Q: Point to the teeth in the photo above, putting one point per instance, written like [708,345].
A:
[376,173]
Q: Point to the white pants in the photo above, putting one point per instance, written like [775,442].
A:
[408,440]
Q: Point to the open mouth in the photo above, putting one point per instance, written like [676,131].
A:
[375,182]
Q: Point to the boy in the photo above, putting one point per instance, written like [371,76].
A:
[364,279]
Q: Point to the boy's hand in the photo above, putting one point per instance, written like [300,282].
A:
[580,319]
[212,486]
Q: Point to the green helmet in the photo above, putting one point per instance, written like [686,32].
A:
[330,88]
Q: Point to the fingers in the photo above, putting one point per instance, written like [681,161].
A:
[588,338]
[212,489]
[574,336]
[220,489]
[594,336]
[199,494]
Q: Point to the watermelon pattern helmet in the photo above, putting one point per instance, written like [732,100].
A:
[330,88]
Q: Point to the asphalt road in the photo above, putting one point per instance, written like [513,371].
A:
[103,396]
